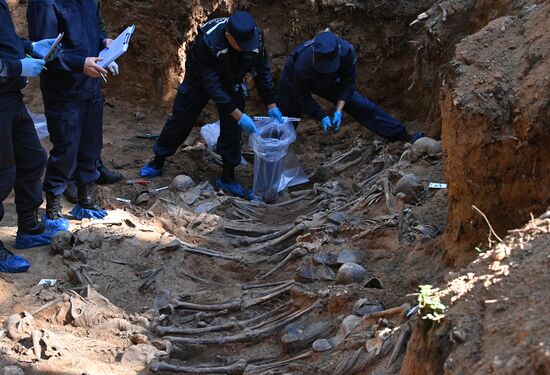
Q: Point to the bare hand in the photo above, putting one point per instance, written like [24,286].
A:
[107,42]
[92,69]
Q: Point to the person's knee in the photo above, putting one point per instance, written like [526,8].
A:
[7,179]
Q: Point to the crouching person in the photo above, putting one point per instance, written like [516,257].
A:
[73,103]
[327,66]
[224,51]
[22,158]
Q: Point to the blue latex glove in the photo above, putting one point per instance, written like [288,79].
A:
[326,124]
[31,67]
[248,124]
[275,113]
[41,48]
[337,121]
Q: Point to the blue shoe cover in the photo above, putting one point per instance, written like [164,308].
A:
[416,136]
[27,241]
[80,213]
[149,172]
[251,197]
[55,225]
[233,189]
[14,264]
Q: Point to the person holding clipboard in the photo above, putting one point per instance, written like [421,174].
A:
[22,158]
[73,102]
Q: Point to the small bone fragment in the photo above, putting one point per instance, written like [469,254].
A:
[401,208]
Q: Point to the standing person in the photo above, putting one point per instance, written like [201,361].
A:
[73,102]
[224,51]
[106,176]
[22,158]
[327,66]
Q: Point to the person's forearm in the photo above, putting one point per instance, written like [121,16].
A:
[340,105]
[237,114]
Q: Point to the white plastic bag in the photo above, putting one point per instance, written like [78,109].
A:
[40,124]
[210,133]
[276,167]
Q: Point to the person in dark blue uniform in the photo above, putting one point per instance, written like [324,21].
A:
[73,102]
[327,66]
[225,50]
[22,158]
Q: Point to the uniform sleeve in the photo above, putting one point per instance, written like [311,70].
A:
[302,92]
[101,22]
[348,72]
[27,45]
[211,79]
[264,79]
[42,21]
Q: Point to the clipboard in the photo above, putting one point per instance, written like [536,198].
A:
[54,46]
[118,47]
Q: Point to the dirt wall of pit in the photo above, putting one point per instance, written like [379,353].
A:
[154,66]
[495,119]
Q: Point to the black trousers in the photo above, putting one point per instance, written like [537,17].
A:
[76,131]
[188,105]
[22,158]
[364,111]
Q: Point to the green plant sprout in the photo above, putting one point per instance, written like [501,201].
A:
[430,305]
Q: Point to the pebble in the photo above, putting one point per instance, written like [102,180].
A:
[351,273]
[321,345]
[349,256]
[181,183]
[140,116]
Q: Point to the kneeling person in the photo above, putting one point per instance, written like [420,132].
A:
[225,50]
[327,66]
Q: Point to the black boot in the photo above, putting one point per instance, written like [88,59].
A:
[228,173]
[71,192]
[157,162]
[106,176]
[86,198]
[28,223]
[53,206]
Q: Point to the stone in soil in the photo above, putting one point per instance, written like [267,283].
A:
[321,345]
[337,218]
[351,273]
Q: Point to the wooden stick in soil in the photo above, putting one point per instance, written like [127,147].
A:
[236,368]
[244,336]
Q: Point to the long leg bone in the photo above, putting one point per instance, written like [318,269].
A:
[237,304]
[294,254]
[235,369]
[265,238]
[221,327]
[244,336]
[298,229]
[250,369]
